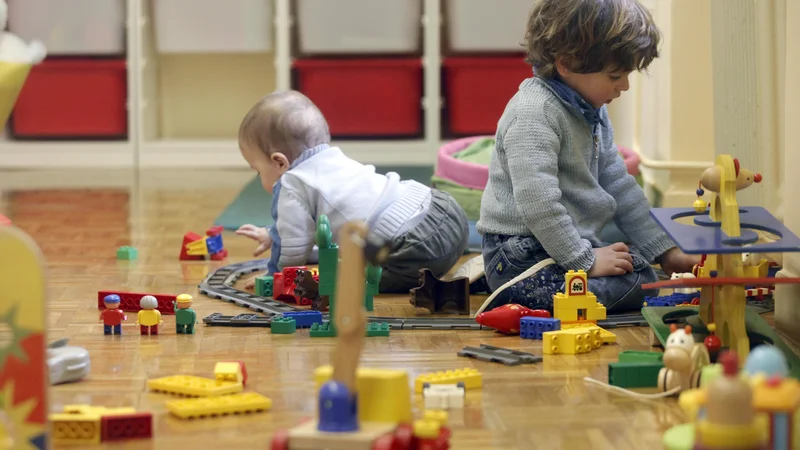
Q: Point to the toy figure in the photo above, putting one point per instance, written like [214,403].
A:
[112,316]
[149,317]
[185,317]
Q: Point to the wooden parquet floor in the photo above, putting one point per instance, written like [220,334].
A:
[79,219]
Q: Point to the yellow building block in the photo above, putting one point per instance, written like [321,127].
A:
[100,411]
[247,402]
[606,336]
[577,303]
[570,342]
[228,372]
[471,378]
[75,429]
[383,395]
[783,397]
[191,386]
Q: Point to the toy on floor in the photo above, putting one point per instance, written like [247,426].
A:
[16,59]
[127,253]
[505,356]
[149,318]
[23,365]
[87,425]
[443,396]
[720,233]
[196,247]
[129,301]
[347,418]
[506,319]
[185,317]
[112,317]
[437,295]
[683,360]
[754,408]
[67,363]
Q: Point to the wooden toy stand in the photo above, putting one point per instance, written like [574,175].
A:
[23,376]
[720,233]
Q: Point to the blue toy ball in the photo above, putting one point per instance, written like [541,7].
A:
[338,409]
[767,360]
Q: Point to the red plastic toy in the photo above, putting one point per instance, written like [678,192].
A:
[505,319]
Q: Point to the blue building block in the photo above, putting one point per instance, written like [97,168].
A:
[534,327]
[214,244]
[670,300]
[304,319]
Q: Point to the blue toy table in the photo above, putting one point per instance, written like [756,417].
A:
[705,236]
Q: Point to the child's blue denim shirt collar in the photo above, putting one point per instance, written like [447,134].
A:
[574,99]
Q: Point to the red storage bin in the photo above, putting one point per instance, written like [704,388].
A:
[477,90]
[365,97]
[70,98]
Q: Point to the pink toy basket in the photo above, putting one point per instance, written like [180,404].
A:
[475,176]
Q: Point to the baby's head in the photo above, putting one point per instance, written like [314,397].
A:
[591,45]
[277,130]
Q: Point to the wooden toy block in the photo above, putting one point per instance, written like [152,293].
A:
[247,402]
[73,429]
[471,378]
[307,436]
[570,342]
[383,395]
[191,386]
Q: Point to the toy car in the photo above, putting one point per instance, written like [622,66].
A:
[67,363]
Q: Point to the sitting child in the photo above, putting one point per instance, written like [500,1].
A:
[556,178]
[285,138]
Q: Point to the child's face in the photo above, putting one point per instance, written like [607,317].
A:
[269,168]
[598,88]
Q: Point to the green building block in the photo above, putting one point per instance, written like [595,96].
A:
[283,325]
[710,373]
[378,329]
[127,253]
[324,329]
[264,286]
[635,356]
[634,374]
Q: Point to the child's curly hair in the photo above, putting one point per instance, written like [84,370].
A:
[591,36]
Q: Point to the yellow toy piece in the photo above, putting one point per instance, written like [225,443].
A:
[571,342]
[230,372]
[198,247]
[23,366]
[12,78]
[606,336]
[383,394]
[100,411]
[576,303]
[184,298]
[191,386]
[426,428]
[72,429]
[471,378]
[247,402]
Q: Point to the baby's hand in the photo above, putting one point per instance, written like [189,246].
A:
[250,284]
[258,234]
[612,260]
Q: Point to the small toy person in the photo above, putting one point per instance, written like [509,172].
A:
[185,317]
[149,317]
[112,316]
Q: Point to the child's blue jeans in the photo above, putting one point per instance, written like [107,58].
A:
[505,257]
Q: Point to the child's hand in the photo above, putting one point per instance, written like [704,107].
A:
[250,284]
[675,261]
[261,235]
[612,260]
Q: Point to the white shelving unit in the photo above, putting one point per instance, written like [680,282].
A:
[163,142]
[52,154]
[184,107]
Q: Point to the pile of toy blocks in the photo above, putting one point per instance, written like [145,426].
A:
[197,248]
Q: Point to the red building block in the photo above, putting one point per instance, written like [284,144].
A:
[129,301]
[283,286]
[126,426]
[505,319]
[188,238]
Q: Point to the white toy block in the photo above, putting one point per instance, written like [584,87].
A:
[443,396]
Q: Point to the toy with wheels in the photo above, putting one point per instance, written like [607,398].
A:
[23,367]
